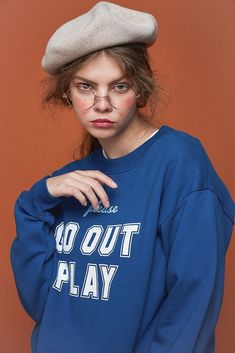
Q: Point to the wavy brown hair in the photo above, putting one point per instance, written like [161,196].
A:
[133,59]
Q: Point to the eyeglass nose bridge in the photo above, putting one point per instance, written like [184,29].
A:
[107,98]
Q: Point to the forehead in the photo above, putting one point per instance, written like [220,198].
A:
[100,67]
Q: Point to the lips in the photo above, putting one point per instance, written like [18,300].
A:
[103,121]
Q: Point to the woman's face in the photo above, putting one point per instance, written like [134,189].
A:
[101,74]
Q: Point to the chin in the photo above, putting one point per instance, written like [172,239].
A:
[101,133]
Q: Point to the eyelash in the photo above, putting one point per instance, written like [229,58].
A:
[84,84]
[91,86]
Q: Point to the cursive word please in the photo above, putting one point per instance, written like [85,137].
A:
[101,209]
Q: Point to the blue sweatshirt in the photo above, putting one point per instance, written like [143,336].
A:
[145,275]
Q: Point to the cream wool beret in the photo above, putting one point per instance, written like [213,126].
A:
[104,25]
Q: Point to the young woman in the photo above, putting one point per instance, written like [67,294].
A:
[122,250]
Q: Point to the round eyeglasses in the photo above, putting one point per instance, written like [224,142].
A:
[82,96]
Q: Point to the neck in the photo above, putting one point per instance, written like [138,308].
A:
[128,140]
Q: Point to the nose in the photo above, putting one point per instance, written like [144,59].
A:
[102,104]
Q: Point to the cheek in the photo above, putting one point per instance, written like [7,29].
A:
[82,104]
[128,115]
[128,102]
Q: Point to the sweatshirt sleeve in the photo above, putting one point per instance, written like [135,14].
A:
[33,247]
[195,237]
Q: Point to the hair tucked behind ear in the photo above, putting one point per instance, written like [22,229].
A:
[134,61]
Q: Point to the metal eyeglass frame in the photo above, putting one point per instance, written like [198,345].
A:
[65,95]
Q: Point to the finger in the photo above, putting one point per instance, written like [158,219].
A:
[79,195]
[76,191]
[96,174]
[95,184]
[99,190]
[87,190]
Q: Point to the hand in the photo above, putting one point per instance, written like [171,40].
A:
[81,183]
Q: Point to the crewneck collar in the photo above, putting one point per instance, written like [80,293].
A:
[144,141]
[113,165]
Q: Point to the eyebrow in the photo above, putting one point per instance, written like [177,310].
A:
[95,83]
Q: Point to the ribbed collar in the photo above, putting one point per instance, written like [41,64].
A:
[113,165]
[144,141]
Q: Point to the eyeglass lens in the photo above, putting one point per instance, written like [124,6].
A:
[84,99]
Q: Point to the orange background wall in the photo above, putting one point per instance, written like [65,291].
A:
[194,55]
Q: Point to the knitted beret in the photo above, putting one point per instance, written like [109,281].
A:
[104,25]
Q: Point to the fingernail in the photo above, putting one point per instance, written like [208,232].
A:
[114,184]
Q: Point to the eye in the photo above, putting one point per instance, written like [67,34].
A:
[121,87]
[83,86]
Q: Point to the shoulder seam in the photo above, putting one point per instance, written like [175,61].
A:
[182,200]
[205,160]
